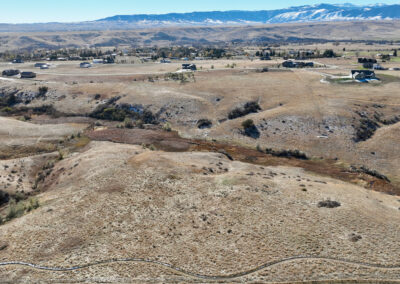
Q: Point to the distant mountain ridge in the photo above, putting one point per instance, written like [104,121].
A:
[314,13]
[300,14]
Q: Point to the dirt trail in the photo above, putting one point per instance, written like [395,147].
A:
[200,276]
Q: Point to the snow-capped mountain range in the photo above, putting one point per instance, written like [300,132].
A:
[314,13]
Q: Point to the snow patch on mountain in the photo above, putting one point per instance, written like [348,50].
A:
[308,13]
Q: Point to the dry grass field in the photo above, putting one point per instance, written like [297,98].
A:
[297,108]
[202,213]
[98,202]
[294,32]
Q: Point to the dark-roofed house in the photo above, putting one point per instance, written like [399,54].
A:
[298,64]
[367,60]
[10,72]
[187,66]
[368,65]
[288,64]
[28,75]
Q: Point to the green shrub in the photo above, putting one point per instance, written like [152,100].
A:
[182,77]
[113,114]
[6,109]
[139,123]
[204,123]
[250,129]
[15,210]
[108,111]
[329,204]
[43,91]
[249,107]
[128,123]
[33,203]
[167,127]
[248,123]
[4,197]
[19,196]
[287,154]
[329,53]
[60,155]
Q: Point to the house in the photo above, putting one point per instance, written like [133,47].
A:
[366,60]
[17,61]
[265,57]
[75,58]
[188,66]
[385,57]
[109,60]
[368,65]
[10,72]
[304,64]
[85,65]
[98,61]
[28,75]
[363,74]
[39,65]
[300,64]
[288,64]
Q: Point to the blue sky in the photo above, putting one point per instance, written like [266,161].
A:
[29,11]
